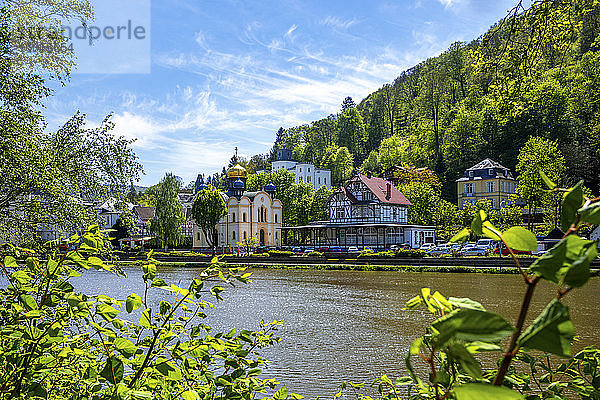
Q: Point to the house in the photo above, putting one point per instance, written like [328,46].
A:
[487,179]
[366,211]
[304,172]
[142,216]
[250,214]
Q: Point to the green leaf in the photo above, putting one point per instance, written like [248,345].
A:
[133,302]
[489,231]
[579,272]
[125,346]
[471,325]
[414,349]
[572,201]
[146,319]
[519,238]
[149,271]
[591,213]
[482,391]
[281,394]
[478,347]
[552,331]
[568,261]
[461,236]
[168,369]
[551,185]
[458,352]
[465,302]
[113,370]
[28,301]
[190,395]
[477,223]
[107,312]
[413,303]
[10,262]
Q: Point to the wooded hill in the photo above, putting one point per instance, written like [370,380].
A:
[535,73]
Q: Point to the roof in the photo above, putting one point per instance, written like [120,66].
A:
[379,187]
[144,213]
[485,164]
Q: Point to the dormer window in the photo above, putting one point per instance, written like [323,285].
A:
[470,174]
[491,171]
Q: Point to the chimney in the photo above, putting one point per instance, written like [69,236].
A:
[389,191]
[369,174]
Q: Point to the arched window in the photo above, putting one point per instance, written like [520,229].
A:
[233,235]
[275,218]
[244,234]
[275,235]
[244,217]
[233,218]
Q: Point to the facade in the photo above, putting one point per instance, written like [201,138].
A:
[304,172]
[486,180]
[250,215]
[369,212]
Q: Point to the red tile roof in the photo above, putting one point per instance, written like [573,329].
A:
[386,194]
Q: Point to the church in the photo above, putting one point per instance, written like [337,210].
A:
[250,214]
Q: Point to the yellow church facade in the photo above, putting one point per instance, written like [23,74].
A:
[255,215]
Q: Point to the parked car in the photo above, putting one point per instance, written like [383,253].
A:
[297,250]
[335,249]
[309,250]
[439,250]
[488,244]
[427,246]
[503,250]
[474,250]
[403,246]
[352,249]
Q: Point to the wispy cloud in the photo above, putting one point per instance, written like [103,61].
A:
[337,22]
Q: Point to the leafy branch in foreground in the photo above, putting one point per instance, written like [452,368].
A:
[59,344]
[463,328]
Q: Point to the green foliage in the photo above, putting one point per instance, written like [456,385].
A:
[207,210]
[61,344]
[168,214]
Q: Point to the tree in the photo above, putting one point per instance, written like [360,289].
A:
[168,215]
[125,225]
[348,103]
[394,150]
[351,131]
[371,164]
[207,210]
[343,166]
[539,154]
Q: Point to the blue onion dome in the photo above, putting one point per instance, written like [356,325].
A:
[204,186]
[238,184]
[270,187]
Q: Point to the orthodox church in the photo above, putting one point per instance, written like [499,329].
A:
[250,214]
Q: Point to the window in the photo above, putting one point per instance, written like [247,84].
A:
[468,189]
[502,186]
[233,218]
[325,181]
[300,179]
[300,169]
[491,171]
[276,236]
[233,235]
[309,170]
[308,179]
[244,217]
[244,235]
[275,218]
[490,187]
[319,180]
[471,174]
[198,235]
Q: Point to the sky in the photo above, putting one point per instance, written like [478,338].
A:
[210,76]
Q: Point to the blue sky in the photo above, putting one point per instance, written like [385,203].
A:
[230,73]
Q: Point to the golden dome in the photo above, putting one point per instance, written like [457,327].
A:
[236,171]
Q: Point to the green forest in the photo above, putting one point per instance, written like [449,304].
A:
[526,77]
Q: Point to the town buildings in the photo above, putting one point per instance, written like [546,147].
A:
[304,172]
[369,212]
[255,215]
[487,179]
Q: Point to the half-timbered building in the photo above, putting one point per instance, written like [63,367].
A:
[368,212]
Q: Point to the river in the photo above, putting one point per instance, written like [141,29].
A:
[349,325]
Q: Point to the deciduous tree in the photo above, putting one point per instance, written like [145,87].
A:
[207,210]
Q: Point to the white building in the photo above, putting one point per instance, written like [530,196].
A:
[304,172]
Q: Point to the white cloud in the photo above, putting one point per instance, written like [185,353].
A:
[291,30]
[337,22]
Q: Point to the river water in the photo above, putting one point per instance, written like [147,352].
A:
[349,325]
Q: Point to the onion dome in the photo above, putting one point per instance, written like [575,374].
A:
[270,188]
[237,171]
[204,186]
[239,184]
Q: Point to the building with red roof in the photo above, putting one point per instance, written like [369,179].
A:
[368,212]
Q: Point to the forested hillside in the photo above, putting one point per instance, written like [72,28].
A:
[476,100]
